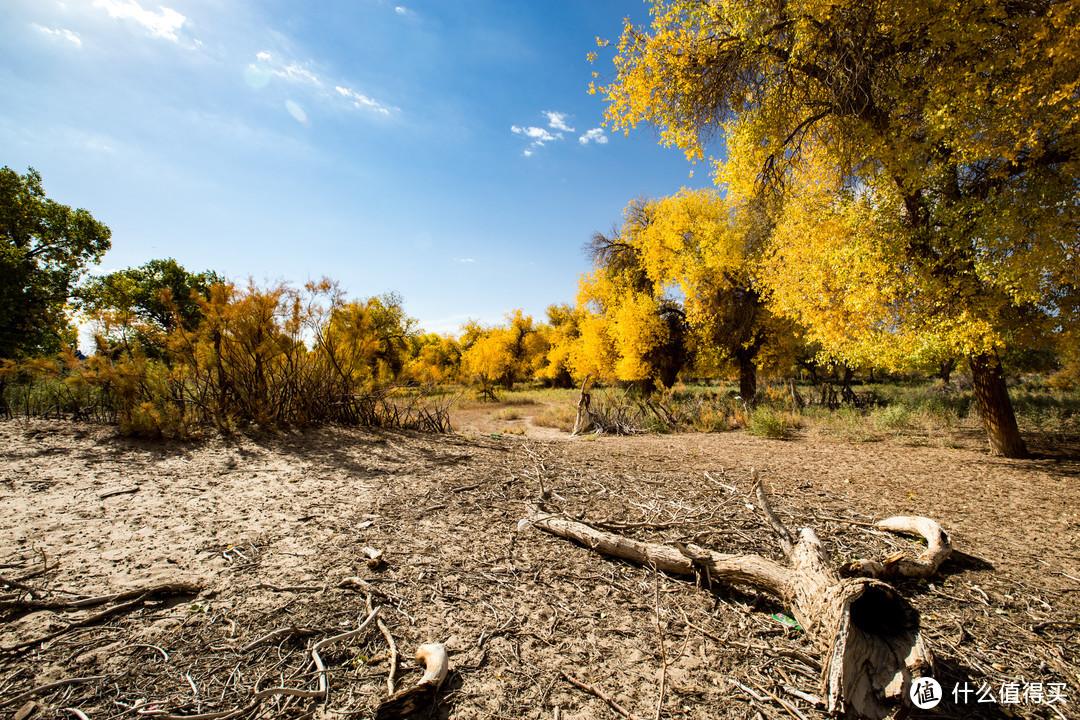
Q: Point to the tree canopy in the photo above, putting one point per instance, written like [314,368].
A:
[44,248]
[150,300]
[922,160]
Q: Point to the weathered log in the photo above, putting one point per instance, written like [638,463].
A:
[867,633]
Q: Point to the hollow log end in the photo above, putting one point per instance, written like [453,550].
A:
[874,649]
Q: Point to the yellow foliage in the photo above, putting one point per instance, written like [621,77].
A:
[926,156]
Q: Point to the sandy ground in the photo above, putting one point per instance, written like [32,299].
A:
[246,516]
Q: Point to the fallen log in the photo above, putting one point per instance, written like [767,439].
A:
[867,634]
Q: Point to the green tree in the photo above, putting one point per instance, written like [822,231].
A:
[44,248]
[149,301]
[928,155]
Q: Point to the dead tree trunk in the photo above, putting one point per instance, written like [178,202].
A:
[867,633]
[583,422]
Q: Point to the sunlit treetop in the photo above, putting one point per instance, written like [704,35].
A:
[988,84]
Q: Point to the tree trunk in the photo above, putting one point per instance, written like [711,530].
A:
[995,408]
[747,378]
[945,369]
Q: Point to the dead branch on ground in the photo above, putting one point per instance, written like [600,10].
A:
[867,634]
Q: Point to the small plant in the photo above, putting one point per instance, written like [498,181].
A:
[510,413]
[892,418]
[767,422]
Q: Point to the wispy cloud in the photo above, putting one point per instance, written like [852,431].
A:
[465,260]
[557,121]
[360,100]
[162,23]
[60,34]
[293,71]
[595,135]
[557,125]
[268,66]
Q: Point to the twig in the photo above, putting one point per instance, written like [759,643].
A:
[660,632]
[219,715]
[392,674]
[336,638]
[121,491]
[49,686]
[78,713]
[723,485]
[616,525]
[179,588]
[786,652]
[791,709]
[274,634]
[19,585]
[292,588]
[164,654]
[464,488]
[81,623]
[747,690]
[812,699]
[1039,627]
[842,521]
[589,688]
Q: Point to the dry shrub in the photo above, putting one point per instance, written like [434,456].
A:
[271,357]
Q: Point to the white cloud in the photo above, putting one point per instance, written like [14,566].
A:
[401,10]
[163,23]
[465,260]
[595,135]
[359,100]
[61,34]
[528,153]
[538,135]
[557,120]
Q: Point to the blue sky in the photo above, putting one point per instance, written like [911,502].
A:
[446,150]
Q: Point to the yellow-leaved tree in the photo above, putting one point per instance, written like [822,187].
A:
[503,355]
[926,155]
[562,333]
[632,329]
[709,247]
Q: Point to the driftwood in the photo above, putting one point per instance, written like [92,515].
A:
[866,633]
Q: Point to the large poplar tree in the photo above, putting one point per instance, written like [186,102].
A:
[931,150]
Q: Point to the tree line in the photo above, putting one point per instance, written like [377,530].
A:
[871,215]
